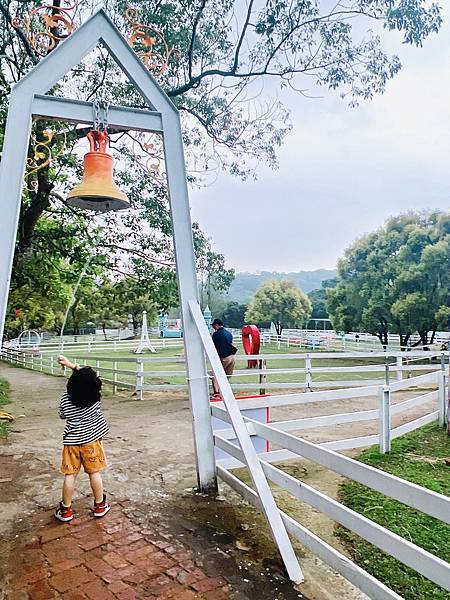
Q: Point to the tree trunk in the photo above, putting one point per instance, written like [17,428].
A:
[383,337]
[423,339]
[104,331]
[404,340]
[278,327]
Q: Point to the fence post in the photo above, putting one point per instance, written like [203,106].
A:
[89,346]
[399,368]
[386,373]
[139,379]
[32,362]
[97,366]
[385,420]
[441,392]
[41,366]
[308,375]
[51,364]
[262,376]
[115,377]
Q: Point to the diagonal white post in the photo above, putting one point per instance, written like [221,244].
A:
[259,479]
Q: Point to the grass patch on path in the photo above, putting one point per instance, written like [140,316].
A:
[4,399]
[418,457]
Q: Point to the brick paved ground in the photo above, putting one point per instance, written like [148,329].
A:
[105,559]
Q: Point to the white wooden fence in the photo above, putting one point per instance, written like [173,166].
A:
[140,372]
[417,497]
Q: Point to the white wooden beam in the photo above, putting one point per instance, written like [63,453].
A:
[78,111]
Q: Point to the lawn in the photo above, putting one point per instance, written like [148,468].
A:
[417,457]
[4,399]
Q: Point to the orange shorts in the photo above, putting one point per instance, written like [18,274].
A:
[91,456]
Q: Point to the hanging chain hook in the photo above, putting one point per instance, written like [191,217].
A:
[100,110]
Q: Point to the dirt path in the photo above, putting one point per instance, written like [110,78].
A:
[151,464]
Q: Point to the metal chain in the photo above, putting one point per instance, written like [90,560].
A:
[100,110]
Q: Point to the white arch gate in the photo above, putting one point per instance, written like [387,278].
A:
[28,101]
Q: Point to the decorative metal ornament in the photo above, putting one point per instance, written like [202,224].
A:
[97,191]
[43,156]
[148,43]
[150,159]
[46,26]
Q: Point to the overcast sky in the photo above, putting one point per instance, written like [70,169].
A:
[342,171]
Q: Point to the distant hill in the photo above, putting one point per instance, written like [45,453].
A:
[245,284]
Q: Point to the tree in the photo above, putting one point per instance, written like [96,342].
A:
[280,301]
[214,278]
[318,300]
[396,280]
[212,58]
[233,314]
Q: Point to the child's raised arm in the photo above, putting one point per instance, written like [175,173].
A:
[65,362]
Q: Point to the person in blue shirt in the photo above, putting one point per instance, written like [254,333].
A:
[223,341]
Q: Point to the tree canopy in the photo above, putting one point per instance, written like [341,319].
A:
[223,65]
[280,302]
[396,280]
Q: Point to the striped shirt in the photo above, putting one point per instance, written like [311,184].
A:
[83,425]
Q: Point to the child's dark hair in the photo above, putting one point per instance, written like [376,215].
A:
[84,387]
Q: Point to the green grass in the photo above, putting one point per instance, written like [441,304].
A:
[4,399]
[417,457]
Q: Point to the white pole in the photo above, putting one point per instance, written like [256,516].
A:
[12,169]
[114,377]
[188,291]
[308,376]
[441,392]
[385,420]
[140,380]
[399,368]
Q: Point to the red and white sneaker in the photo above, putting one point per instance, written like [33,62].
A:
[101,508]
[64,513]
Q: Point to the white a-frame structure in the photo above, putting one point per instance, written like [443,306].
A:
[27,102]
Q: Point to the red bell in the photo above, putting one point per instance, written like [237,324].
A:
[97,190]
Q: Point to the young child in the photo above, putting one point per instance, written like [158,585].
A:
[82,438]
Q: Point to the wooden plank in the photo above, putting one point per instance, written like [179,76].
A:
[420,422]
[418,400]
[413,381]
[349,443]
[306,398]
[326,420]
